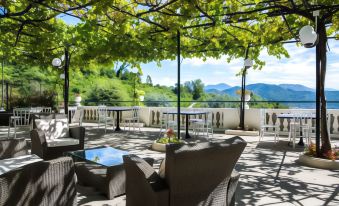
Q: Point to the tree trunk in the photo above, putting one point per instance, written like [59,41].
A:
[321,51]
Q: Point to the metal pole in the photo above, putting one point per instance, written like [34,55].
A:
[243,89]
[7,102]
[178,83]
[66,84]
[2,83]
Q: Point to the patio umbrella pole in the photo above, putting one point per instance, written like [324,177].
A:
[178,83]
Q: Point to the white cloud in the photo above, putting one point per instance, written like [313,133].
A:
[298,69]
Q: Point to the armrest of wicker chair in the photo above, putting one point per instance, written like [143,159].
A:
[39,143]
[78,133]
[10,148]
[143,184]
[232,187]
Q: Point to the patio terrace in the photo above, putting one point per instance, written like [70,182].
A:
[269,172]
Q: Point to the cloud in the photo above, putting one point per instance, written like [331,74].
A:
[298,69]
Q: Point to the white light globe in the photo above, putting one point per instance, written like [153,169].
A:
[308,36]
[56,62]
[248,63]
[62,76]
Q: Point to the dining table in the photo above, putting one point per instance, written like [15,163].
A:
[118,110]
[300,117]
[187,113]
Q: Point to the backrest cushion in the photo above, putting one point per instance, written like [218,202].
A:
[53,128]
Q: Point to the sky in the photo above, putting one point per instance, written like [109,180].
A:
[298,69]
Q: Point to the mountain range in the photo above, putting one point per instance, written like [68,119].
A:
[281,92]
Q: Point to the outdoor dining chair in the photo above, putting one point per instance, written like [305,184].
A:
[298,128]
[104,118]
[166,122]
[20,118]
[133,120]
[77,117]
[266,128]
[46,109]
[203,125]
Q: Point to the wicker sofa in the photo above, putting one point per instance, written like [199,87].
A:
[195,174]
[40,183]
[50,150]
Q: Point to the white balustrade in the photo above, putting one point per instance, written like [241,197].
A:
[222,118]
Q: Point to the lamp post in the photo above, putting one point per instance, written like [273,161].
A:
[57,62]
[2,84]
[310,37]
[248,63]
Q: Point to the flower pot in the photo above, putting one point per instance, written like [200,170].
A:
[247,97]
[158,147]
[318,162]
[77,100]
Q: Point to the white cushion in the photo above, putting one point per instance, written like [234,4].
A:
[7,165]
[53,128]
[62,142]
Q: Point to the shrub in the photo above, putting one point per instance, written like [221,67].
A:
[157,100]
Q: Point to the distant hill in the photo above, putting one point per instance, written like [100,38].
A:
[285,92]
[219,87]
[296,87]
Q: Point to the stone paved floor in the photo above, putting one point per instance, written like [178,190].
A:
[269,172]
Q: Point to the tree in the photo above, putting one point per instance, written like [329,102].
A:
[149,80]
[198,89]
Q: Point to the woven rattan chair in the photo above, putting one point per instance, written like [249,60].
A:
[196,174]
[47,149]
[13,148]
[42,183]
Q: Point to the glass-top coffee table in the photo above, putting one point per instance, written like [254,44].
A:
[101,168]
[105,156]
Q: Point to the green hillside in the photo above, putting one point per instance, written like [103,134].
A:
[114,85]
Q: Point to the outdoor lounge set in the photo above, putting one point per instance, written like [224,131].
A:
[194,174]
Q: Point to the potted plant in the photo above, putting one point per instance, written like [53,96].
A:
[330,160]
[77,98]
[248,95]
[169,138]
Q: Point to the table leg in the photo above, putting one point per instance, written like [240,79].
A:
[117,128]
[187,134]
[301,140]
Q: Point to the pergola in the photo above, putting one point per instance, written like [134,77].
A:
[199,28]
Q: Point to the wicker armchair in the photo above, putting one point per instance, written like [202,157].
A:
[196,174]
[41,183]
[42,147]
[12,148]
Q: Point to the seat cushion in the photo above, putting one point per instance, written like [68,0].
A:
[10,164]
[53,128]
[62,142]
